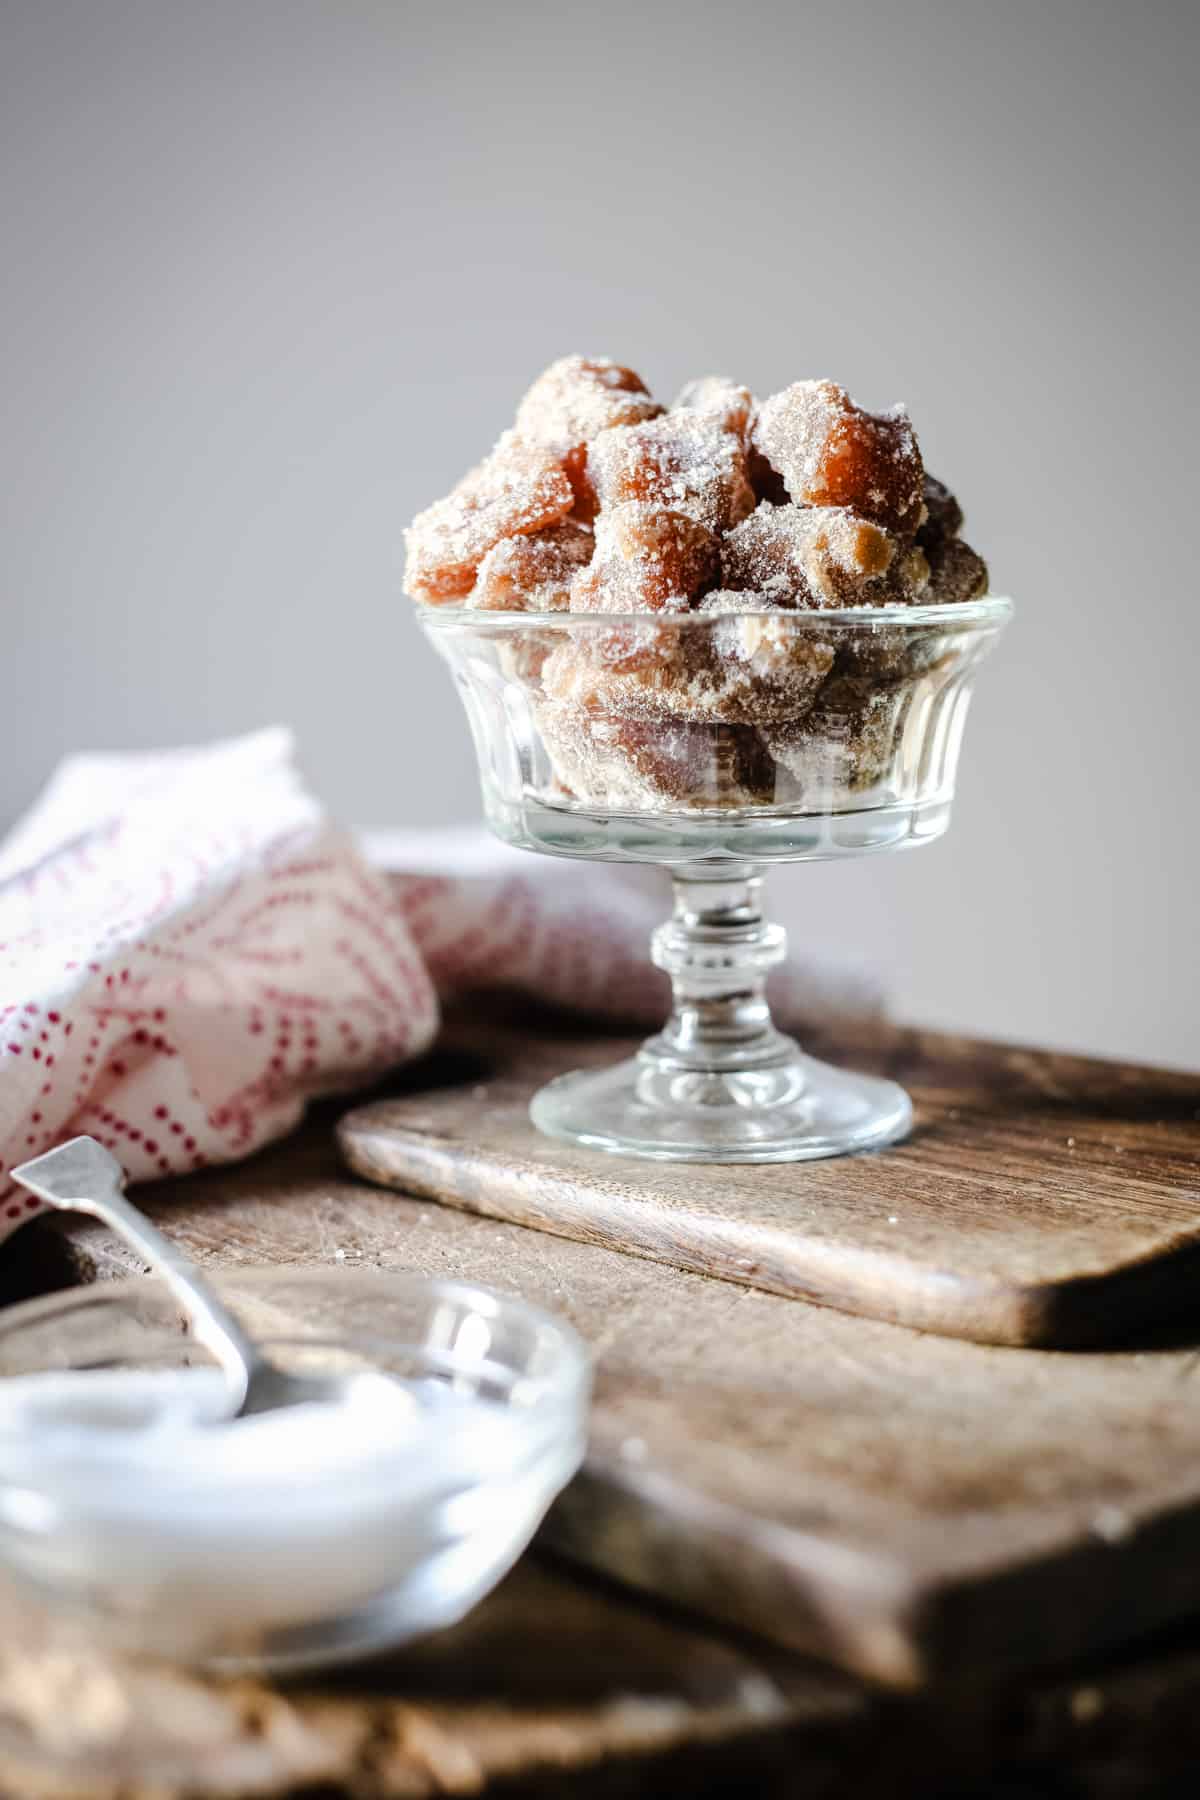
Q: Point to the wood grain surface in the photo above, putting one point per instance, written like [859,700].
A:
[902,1504]
[564,1686]
[556,1689]
[1041,1200]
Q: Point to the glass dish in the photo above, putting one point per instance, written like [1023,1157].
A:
[448,1530]
[716,744]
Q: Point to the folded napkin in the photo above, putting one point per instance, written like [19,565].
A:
[190,949]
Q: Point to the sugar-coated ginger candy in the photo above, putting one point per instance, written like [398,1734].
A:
[518,489]
[619,764]
[723,663]
[810,556]
[847,740]
[943,515]
[717,397]
[570,403]
[956,573]
[638,672]
[533,573]
[766,665]
[647,558]
[685,461]
[830,452]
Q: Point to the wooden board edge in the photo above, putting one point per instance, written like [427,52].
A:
[1077,1312]
[853,1607]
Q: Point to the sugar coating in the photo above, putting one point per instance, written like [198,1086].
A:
[768,669]
[517,489]
[624,764]
[574,400]
[685,461]
[533,573]
[812,556]
[717,397]
[744,670]
[846,740]
[830,452]
[886,656]
[647,558]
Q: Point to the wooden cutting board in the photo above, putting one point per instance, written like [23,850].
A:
[1041,1199]
[905,1505]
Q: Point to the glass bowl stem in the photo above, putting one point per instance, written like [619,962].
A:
[719,1083]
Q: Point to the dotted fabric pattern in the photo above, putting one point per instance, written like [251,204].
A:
[190,950]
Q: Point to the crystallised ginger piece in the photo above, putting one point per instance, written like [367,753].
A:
[830,452]
[684,461]
[647,558]
[956,574]
[737,667]
[768,665]
[808,556]
[715,396]
[660,670]
[517,489]
[943,515]
[847,740]
[533,573]
[615,763]
[570,403]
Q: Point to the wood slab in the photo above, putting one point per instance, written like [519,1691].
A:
[908,1506]
[1041,1199]
[551,1686]
[556,1689]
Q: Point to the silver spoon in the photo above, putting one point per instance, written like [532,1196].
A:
[82,1176]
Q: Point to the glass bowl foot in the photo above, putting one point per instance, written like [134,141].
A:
[799,1109]
[719,1083]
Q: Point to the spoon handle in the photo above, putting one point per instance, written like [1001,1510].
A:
[82,1176]
[211,1321]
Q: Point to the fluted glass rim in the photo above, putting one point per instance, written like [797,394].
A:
[992,609]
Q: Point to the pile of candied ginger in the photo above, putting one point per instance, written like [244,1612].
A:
[717,508]
[601,500]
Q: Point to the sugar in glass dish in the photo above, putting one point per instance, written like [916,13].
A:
[135,1515]
[586,749]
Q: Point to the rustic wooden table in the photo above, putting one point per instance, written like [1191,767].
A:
[563,1682]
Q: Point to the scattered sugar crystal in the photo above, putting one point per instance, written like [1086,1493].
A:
[1111,1524]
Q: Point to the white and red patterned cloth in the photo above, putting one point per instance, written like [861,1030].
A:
[190,949]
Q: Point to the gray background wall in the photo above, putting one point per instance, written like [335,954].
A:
[272,274]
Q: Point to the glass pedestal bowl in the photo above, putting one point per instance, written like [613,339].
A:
[716,744]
